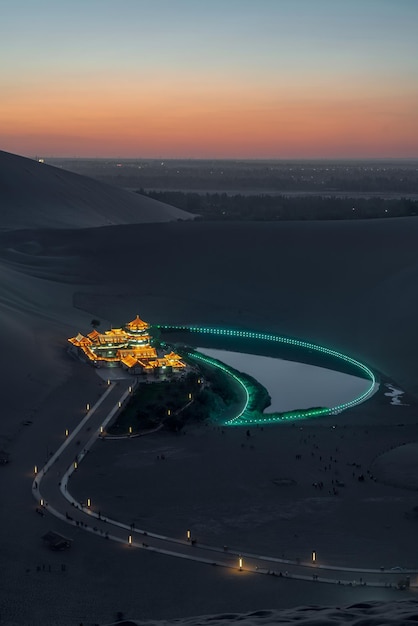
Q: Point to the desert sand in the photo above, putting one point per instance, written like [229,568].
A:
[350,286]
[34,195]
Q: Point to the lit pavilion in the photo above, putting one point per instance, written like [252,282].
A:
[129,347]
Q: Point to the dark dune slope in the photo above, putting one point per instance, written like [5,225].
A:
[35,195]
[348,285]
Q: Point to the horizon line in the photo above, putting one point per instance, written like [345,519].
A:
[240,159]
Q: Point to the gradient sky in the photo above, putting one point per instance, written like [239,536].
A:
[209,78]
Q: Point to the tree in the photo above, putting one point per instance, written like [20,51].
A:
[95,323]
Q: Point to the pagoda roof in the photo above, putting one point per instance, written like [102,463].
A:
[147,353]
[79,340]
[115,331]
[129,361]
[137,324]
[94,334]
[172,356]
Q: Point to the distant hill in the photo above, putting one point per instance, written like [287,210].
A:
[36,195]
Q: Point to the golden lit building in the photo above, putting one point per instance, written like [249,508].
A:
[129,347]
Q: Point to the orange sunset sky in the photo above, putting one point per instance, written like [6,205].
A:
[219,79]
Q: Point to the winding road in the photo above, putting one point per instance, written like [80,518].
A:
[50,489]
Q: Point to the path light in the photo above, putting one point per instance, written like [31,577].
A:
[240,563]
[168,411]
[35,470]
[119,403]
[88,502]
[101,429]
[88,406]
[130,540]
[75,464]
[108,381]
[313,556]
[190,396]
[41,502]
[130,389]
[67,432]
[130,430]
[189,535]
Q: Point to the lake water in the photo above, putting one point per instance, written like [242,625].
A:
[293,385]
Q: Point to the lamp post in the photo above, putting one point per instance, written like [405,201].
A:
[88,502]
[313,556]
[88,407]
[240,563]
[189,535]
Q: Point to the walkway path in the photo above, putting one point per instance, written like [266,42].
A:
[50,489]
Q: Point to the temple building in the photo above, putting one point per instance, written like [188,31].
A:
[128,347]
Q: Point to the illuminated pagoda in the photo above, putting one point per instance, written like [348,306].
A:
[128,347]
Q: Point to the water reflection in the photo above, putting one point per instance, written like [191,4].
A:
[293,385]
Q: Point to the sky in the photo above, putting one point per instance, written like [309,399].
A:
[209,78]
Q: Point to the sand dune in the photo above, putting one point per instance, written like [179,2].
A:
[364,613]
[351,286]
[36,195]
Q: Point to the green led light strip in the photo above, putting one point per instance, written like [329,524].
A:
[247,416]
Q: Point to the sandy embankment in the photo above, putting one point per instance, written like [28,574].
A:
[35,195]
